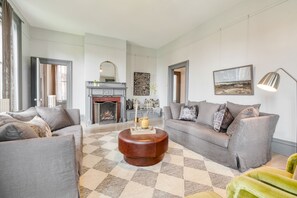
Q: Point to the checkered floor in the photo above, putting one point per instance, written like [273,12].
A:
[181,172]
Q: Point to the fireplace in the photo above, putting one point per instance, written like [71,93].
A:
[106,110]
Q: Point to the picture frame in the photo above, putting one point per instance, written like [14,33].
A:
[234,81]
[141,84]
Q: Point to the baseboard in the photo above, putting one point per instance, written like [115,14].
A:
[283,147]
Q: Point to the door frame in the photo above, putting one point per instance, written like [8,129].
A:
[52,62]
[171,68]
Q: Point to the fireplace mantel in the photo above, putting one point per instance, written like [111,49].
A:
[104,90]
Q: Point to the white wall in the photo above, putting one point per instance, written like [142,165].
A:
[98,49]
[267,39]
[63,46]
[140,59]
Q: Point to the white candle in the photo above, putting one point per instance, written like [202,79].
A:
[136,107]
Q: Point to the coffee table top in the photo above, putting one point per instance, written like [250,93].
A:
[159,136]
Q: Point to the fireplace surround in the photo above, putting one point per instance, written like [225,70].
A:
[105,102]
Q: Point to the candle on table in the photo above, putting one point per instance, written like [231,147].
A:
[136,107]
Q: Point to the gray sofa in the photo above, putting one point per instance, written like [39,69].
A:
[43,167]
[248,147]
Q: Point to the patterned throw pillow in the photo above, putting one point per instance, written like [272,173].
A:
[188,113]
[246,113]
[228,119]
[218,119]
[40,127]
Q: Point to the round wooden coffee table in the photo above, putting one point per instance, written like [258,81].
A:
[143,150]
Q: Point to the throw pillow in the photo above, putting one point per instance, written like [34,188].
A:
[246,113]
[197,104]
[218,119]
[235,109]
[175,109]
[25,115]
[16,131]
[188,113]
[55,117]
[206,112]
[40,127]
[227,120]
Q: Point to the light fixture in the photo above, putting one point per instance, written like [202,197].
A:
[270,83]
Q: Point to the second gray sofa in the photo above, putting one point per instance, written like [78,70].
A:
[248,147]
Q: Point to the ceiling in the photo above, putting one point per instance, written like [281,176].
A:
[149,23]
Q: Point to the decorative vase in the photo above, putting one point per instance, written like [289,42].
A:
[145,123]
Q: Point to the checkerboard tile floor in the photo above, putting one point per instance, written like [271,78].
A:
[181,172]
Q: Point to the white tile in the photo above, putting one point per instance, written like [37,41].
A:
[88,140]
[191,154]
[124,171]
[174,159]
[92,178]
[114,156]
[110,145]
[220,191]
[95,194]
[197,176]
[174,145]
[106,138]
[90,160]
[218,168]
[89,148]
[170,184]
[137,190]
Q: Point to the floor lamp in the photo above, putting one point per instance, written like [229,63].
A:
[271,81]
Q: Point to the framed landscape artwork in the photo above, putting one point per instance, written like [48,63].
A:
[234,81]
[141,84]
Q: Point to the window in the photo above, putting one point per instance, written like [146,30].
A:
[16,62]
[61,86]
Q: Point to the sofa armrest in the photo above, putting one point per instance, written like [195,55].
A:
[74,115]
[292,163]
[39,167]
[251,142]
[167,113]
[244,186]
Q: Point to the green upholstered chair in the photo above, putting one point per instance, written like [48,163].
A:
[265,182]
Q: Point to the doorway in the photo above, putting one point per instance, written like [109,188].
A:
[51,82]
[178,75]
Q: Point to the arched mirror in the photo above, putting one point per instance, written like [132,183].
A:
[107,72]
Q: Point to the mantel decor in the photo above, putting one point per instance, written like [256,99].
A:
[234,81]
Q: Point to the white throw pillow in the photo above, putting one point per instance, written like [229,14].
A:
[40,127]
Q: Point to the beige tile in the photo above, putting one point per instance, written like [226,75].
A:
[92,178]
[89,148]
[110,145]
[174,159]
[278,161]
[220,191]
[197,176]
[106,138]
[191,154]
[170,184]
[155,168]
[90,160]
[218,168]
[88,140]
[114,156]
[95,194]
[137,190]
[124,171]
[174,145]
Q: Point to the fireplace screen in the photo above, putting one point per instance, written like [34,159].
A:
[105,112]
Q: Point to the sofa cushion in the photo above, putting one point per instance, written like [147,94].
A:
[235,109]
[206,112]
[246,113]
[197,104]
[188,113]
[11,129]
[40,127]
[55,117]
[200,131]
[175,109]
[25,115]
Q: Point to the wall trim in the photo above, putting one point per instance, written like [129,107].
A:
[283,147]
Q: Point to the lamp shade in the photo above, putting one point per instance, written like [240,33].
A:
[269,82]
